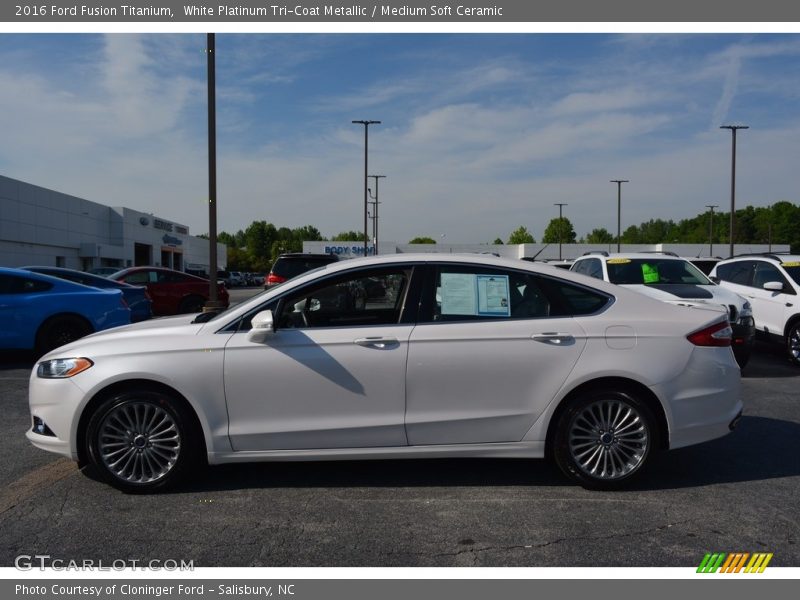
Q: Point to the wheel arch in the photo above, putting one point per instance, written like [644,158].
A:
[120,386]
[619,383]
[790,322]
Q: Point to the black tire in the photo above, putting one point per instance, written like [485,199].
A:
[142,441]
[793,344]
[191,304]
[599,456]
[61,330]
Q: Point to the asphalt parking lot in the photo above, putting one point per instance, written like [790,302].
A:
[739,493]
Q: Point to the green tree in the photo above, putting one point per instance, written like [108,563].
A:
[599,235]
[498,242]
[551,232]
[422,240]
[348,236]
[521,236]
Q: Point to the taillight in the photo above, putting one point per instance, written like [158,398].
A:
[718,334]
[275,279]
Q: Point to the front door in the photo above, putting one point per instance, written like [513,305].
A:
[333,373]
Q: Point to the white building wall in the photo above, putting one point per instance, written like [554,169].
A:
[39,226]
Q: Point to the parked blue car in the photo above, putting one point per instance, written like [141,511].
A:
[136,296]
[42,312]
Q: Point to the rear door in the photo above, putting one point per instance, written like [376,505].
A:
[491,349]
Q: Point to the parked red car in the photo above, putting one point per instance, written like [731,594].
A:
[173,292]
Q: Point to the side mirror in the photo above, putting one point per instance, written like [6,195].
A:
[773,286]
[262,327]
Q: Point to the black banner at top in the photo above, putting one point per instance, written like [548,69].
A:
[407,11]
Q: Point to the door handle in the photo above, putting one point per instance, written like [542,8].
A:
[556,339]
[376,342]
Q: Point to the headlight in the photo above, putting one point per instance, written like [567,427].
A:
[61,368]
[747,310]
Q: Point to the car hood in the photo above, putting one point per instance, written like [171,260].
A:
[688,293]
[180,325]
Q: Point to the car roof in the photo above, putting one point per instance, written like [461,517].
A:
[633,256]
[65,284]
[774,256]
[332,257]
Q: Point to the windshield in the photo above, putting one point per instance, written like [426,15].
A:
[654,271]
[793,269]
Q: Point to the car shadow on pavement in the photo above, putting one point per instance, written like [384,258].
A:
[769,360]
[760,449]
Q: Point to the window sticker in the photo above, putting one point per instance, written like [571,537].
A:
[493,295]
[791,264]
[618,261]
[650,273]
[458,294]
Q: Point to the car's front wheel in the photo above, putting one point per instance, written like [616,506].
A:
[604,438]
[793,344]
[142,441]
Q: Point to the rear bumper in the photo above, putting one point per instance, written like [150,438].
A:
[705,400]
[744,332]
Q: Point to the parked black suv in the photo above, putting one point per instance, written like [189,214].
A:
[293,264]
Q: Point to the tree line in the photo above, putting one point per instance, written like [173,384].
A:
[256,247]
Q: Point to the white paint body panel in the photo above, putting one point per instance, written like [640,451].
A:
[457,389]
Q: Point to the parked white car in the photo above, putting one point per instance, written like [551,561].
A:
[458,356]
[670,278]
[771,282]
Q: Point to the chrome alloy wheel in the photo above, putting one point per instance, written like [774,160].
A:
[608,439]
[139,442]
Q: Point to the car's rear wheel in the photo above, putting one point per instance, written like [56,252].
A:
[604,438]
[793,344]
[191,304]
[59,331]
[142,441]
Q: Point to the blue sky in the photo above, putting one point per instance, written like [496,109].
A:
[481,133]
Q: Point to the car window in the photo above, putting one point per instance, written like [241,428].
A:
[138,278]
[766,272]
[739,272]
[292,267]
[372,297]
[10,284]
[478,293]
[793,269]
[593,268]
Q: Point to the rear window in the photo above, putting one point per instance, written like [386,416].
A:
[292,267]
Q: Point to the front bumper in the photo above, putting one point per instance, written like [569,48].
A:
[56,403]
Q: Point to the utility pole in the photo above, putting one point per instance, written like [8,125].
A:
[734,129]
[375,214]
[619,183]
[711,229]
[560,205]
[213,303]
[366,125]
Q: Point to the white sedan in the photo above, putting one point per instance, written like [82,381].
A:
[405,356]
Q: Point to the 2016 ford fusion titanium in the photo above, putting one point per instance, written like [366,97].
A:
[405,356]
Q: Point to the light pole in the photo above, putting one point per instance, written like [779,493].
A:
[366,125]
[619,183]
[213,303]
[711,229]
[734,129]
[375,215]
[560,205]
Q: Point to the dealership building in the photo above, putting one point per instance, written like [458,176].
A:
[39,226]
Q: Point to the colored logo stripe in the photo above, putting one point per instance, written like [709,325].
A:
[734,562]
